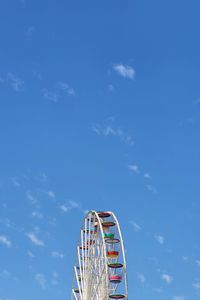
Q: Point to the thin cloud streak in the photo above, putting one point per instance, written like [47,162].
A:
[135,226]
[35,240]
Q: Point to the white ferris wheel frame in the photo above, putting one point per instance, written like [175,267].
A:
[83,273]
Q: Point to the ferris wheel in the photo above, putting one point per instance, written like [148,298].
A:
[100,267]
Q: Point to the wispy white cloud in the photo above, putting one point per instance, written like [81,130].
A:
[10,224]
[147,176]
[57,254]
[69,206]
[16,182]
[43,177]
[141,277]
[63,86]
[5,241]
[30,197]
[136,227]
[37,214]
[185,258]
[125,71]
[151,188]
[35,240]
[41,280]
[178,298]
[51,194]
[5,274]
[110,130]
[134,168]
[71,92]
[13,81]
[167,278]
[160,239]
[52,96]
[59,91]
[30,254]
[37,75]
[33,200]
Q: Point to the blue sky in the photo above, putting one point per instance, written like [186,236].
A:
[99,109]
